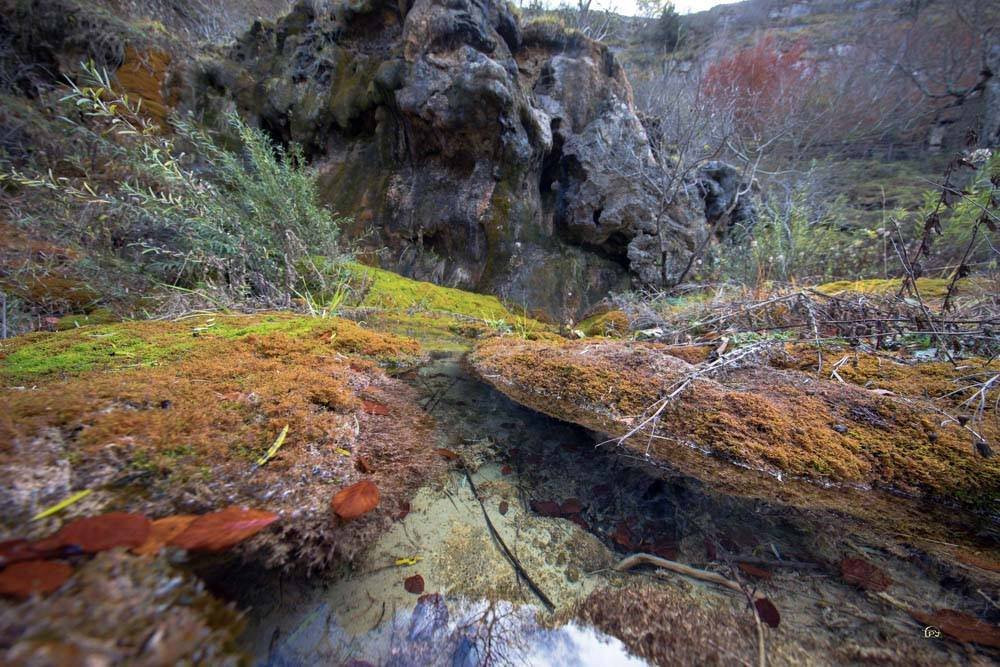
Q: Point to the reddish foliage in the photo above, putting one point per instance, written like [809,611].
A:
[663,549]
[14,551]
[546,507]
[414,584]
[754,571]
[404,509]
[572,506]
[446,454]
[506,470]
[100,533]
[374,408]
[504,507]
[961,626]
[767,612]
[26,578]
[162,531]
[861,573]
[364,465]
[355,500]
[220,530]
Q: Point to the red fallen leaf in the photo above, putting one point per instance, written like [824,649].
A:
[623,536]
[578,520]
[572,506]
[99,533]
[446,454]
[754,571]
[767,612]
[861,573]
[506,470]
[355,500]
[162,531]
[404,509]
[374,408]
[414,584]
[546,507]
[504,507]
[26,578]
[710,551]
[15,551]
[364,465]
[961,626]
[220,530]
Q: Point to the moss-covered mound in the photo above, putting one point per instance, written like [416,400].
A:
[121,609]
[760,432]
[166,418]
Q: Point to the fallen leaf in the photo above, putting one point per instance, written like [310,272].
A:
[504,507]
[22,580]
[404,509]
[572,506]
[79,495]
[506,470]
[99,533]
[754,571]
[578,520]
[861,573]
[767,612]
[273,449]
[446,454]
[546,507]
[15,551]
[162,531]
[341,451]
[409,560]
[220,530]
[374,408]
[623,536]
[961,626]
[355,500]
[663,549]
[414,584]
[364,465]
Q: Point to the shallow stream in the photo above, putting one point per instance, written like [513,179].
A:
[569,510]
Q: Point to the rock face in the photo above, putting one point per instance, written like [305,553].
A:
[774,435]
[471,151]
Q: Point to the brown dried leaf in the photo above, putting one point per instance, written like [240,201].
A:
[414,584]
[355,500]
[861,573]
[754,571]
[99,533]
[446,454]
[22,580]
[15,551]
[504,507]
[961,626]
[572,506]
[220,530]
[767,612]
[162,531]
[374,408]
[546,507]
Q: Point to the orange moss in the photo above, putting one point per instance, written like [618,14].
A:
[190,427]
[761,420]
[142,77]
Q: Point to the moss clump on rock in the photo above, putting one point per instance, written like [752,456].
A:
[612,323]
[177,425]
[761,433]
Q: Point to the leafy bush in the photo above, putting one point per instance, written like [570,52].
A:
[193,213]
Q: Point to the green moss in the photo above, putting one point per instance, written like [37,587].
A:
[609,323]
[928,287]
[96,316]
[383,289]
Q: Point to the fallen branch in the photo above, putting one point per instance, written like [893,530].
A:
[516,564]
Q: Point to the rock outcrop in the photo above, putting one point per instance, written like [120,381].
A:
[470,150]
[763,433]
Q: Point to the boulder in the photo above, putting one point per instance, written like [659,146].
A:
[761,432]
[470,150]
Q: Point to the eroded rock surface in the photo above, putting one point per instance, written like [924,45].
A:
[471,150]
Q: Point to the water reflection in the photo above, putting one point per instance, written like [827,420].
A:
[459,633]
